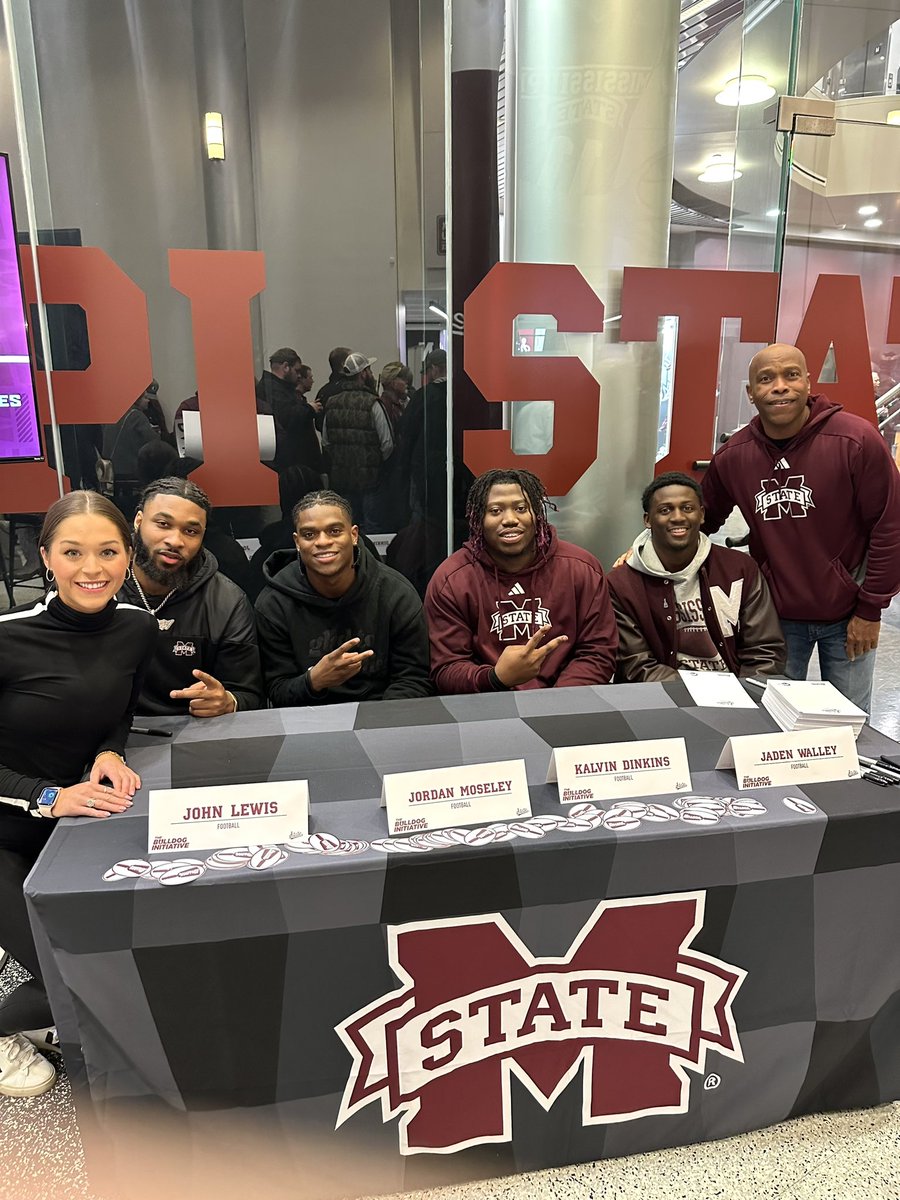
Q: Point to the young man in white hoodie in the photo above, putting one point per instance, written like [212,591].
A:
[682,602]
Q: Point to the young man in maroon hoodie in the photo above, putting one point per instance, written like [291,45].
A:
[821,495]
[491,605]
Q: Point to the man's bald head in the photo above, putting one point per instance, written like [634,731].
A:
[775,350]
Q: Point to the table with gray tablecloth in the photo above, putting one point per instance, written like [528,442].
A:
[374,1016]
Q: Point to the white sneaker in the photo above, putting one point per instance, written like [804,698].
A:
[23,1072]
[46,1040]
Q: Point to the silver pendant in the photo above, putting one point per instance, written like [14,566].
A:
[164,624]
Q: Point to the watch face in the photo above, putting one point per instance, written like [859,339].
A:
[47,797]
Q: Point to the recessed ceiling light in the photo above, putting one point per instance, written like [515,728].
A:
[719,169]
[868,210]
[745,89]
[893,117]
[873,223]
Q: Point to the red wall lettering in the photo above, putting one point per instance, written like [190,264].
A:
[120,368]
[507,290]
[220,285]
[700,299]
[835,314]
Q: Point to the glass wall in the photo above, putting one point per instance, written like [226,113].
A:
[598,227]
[210,183]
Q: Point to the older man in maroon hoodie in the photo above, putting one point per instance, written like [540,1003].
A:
[491,605]
[821,495]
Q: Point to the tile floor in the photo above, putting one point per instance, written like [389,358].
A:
[837,1156]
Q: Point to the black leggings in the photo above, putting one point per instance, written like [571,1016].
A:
[27,1006]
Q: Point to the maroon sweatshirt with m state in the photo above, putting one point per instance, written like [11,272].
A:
[823,510]
[475,610]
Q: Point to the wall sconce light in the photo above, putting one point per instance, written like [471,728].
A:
[215,136]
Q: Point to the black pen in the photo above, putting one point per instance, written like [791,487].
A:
[871,777]
[151,732]
[883,768]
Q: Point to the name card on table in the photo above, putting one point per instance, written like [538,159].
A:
[619,769]
[216,818]
[763,760]
[716,689]
[419,801]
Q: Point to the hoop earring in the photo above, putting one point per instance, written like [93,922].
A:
[51,576]
[127,574]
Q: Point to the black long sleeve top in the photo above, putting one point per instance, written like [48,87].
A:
[69,684]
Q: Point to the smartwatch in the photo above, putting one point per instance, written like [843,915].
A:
[46,800]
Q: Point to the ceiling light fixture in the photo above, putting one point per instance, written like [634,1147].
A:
[719,169]
[873,223]
[868,210]
[745,89]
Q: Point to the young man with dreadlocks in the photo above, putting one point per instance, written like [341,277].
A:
[492,604]
[335,623]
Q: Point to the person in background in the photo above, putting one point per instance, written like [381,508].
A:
[683,603]
[335,623]
[394,382]
[207,661]
[71,668]
[296,441]
[336,359]
[305,385]
[357,438]
[492,604]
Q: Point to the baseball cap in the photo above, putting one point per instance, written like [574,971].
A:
[355,364]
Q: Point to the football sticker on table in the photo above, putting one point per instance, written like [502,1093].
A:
[476,1007]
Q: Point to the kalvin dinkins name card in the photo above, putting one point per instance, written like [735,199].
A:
[762,760]
[620,769]
[419,801]
[216,818]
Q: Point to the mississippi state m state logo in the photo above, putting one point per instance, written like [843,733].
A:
[776,500]
[518,620]
[630,1005]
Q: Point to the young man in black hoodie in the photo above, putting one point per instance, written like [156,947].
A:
[206,662]
[336,624]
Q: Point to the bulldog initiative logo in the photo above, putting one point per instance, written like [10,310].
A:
[630,1005]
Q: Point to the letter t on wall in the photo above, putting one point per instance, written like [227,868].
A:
[700,300]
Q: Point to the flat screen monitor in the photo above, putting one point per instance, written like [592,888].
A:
[20,439]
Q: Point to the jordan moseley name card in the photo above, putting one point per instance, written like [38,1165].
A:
[420,801]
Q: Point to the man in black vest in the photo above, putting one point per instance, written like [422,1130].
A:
[357,437]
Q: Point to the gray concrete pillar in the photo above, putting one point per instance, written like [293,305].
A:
[594,125]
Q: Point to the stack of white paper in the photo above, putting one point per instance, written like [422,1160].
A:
[810,704]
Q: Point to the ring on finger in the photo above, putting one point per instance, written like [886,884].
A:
[90,802]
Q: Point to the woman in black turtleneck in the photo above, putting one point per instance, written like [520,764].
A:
[71,668]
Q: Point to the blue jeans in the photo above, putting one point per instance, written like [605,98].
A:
[853,679]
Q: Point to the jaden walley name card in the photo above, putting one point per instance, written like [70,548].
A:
[762,760]
[216,818]
[620,769]
[419,801]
